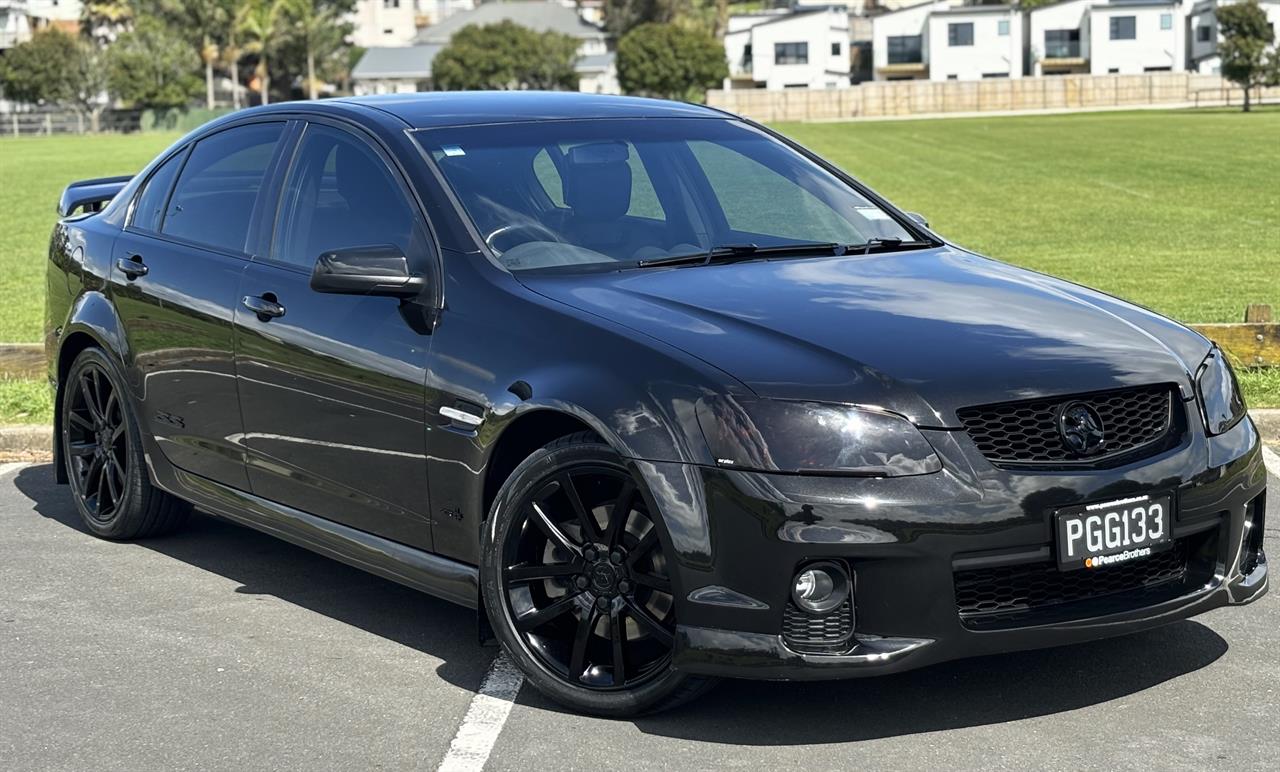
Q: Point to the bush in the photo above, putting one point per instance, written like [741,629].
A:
[506,56]
[665,60]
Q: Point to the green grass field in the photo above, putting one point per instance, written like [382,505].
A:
[1176,210]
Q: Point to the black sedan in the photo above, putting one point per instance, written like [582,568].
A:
[662,395]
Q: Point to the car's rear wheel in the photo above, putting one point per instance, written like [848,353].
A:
[577,583]
[102,451]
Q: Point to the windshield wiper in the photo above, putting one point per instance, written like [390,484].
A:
[727,253]
[885,245]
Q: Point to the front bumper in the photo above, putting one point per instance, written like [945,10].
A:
[738,538]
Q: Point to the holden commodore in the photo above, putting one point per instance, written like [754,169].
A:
[661,394]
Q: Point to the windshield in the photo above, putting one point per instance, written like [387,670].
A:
[606,192]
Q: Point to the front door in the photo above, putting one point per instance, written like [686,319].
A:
[174,278]
[332,386]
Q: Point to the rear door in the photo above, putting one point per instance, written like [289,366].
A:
[174,279]
[332,386]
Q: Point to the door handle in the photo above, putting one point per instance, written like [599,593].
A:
[265,306]
[132,267]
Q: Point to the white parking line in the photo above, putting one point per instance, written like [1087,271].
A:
[483,723]
[1272,460]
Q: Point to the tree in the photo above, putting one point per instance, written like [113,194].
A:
[260,23]
[621,16]
[506,56]
[1246,37]
[41,69]
[151,67]
[666,60]
[319,30]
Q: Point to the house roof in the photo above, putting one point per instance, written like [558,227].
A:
[404,62]
[537,15]
[595,63]
[1121,5]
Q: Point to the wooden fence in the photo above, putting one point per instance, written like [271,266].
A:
[877,99]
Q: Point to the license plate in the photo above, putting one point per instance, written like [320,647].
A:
[1111,533]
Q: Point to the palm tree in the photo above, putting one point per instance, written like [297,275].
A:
[318,28]
[259,21]
[206,20]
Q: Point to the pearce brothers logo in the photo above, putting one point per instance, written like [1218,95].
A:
[1106,560]
[1081,429]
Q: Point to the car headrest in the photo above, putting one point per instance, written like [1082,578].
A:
[599,187]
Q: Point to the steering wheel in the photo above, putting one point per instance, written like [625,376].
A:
[527,227]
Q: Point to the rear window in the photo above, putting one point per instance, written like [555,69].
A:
[149,208]
[218,188]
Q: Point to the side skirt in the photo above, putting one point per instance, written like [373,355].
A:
[432,574]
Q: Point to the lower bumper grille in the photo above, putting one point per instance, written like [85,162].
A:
[806,633]
[1036,586]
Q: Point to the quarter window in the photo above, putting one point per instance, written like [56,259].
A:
[218,188]
[960,34]
[148,209]
[1124,28]
[341,194]
[791,53]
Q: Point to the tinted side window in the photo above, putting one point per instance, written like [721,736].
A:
[341,194]
[148,209]
[216,192]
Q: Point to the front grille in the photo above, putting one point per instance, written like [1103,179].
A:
[1026,433]
[1035,586]
[807,633]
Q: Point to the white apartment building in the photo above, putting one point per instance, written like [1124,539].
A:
[394,23]
[15,26]
[1058,38]
[975,42]
[900,41]
[1205,37]
[805,48]
[1128,37]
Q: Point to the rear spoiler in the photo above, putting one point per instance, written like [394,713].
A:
[92,195]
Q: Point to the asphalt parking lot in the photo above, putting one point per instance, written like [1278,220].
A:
[221,648]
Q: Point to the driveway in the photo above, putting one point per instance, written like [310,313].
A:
[222,648]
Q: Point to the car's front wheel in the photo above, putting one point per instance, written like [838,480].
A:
[102,451]
[577,583]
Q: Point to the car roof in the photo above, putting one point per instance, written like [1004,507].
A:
[462,108]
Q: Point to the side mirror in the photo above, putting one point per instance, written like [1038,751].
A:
[373,270]
[919,218]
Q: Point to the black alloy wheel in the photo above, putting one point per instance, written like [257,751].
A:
[102,454]
[584,599]
[96,447]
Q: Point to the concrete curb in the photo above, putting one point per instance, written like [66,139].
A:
[1268,422]
[26,438]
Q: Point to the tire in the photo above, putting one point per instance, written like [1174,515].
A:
[588,609]
[103,456]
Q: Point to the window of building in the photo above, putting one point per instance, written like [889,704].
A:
[1166,21]
[1202,33]
[960,33]
[836,48]
[790,53]
[906,49]
[953,77]
[1061,43]
[390,3]
[995,74]
[216,192]
[1124,28]
[1002,28]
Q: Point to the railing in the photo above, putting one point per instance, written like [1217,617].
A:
[1069,50]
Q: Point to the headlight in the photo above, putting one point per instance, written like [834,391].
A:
[811,437]
[1219,394]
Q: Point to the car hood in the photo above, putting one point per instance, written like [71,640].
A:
[920,333]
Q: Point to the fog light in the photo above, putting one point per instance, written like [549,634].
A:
[820,588]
